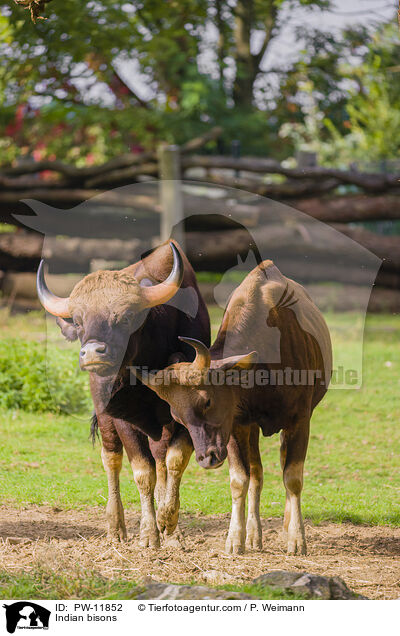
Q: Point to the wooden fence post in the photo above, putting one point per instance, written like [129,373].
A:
[306,159]
[171,200]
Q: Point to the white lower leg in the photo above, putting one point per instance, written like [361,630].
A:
[253,526]
[235,541]
[112,463]
[293,479]
[177,459]
[145,479]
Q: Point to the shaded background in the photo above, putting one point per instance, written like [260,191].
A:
[295,101]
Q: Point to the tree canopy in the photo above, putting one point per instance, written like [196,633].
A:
[98,78]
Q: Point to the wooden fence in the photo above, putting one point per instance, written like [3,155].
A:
[340,198]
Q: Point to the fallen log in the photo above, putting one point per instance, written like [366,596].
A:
[385,247]
[23,284]
[22,251]
[81,252]
[289,189]
[328,297]
[79,195]
[372,182]
[310,240]
[122,176]
[340,209]
[121,213]
[352,208]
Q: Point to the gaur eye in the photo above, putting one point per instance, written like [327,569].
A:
[207,404]
[77,322]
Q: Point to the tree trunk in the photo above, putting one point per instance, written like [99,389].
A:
[245,71]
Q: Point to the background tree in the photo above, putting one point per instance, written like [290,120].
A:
[98,78]
[350,112]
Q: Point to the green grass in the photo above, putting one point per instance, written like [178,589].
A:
[351,471]
[77,584]
[36,379]
[42,584]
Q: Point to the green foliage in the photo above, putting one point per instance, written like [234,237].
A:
[35,380]
[370,129]
[374,117]
[66,82]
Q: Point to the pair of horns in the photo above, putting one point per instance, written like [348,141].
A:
[151,296]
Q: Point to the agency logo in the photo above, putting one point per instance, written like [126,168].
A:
[26,615]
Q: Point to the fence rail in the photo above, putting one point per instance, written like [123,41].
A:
[337,197]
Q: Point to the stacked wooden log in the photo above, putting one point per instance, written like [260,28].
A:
[98,217]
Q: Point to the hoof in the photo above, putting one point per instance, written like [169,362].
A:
[149,540]
[115,521]
[296,546]
[254,543]
[167,518]
[233,546]
[149,537]
[115,538]
[117,534]
[174,540]
[254,536]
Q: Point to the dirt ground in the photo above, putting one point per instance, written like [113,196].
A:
[367,558]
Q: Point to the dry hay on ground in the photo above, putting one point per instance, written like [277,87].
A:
[366,557]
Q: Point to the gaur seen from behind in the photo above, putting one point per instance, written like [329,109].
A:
[272,328]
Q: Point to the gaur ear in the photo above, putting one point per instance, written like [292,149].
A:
[245,361]
[67,329]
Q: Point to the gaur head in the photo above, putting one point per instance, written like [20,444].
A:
[202,399]
[105,309]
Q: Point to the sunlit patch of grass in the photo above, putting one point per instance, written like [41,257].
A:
[41,583]
[350,474]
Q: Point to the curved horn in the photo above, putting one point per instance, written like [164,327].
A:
[53,304]
[202,360]
[161,293]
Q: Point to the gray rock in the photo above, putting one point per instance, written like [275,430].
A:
[167,591]
[340,591]
[308,585]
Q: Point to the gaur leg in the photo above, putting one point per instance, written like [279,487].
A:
[161,481]
[144,472]
[253,527]
[286,516]
[239,473]
[177,458]
[111,454]
[295,442]
[159,451]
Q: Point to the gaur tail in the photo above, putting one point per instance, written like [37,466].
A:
[94,428]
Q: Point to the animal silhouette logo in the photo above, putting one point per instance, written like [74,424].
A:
[233,276]
[26,615]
